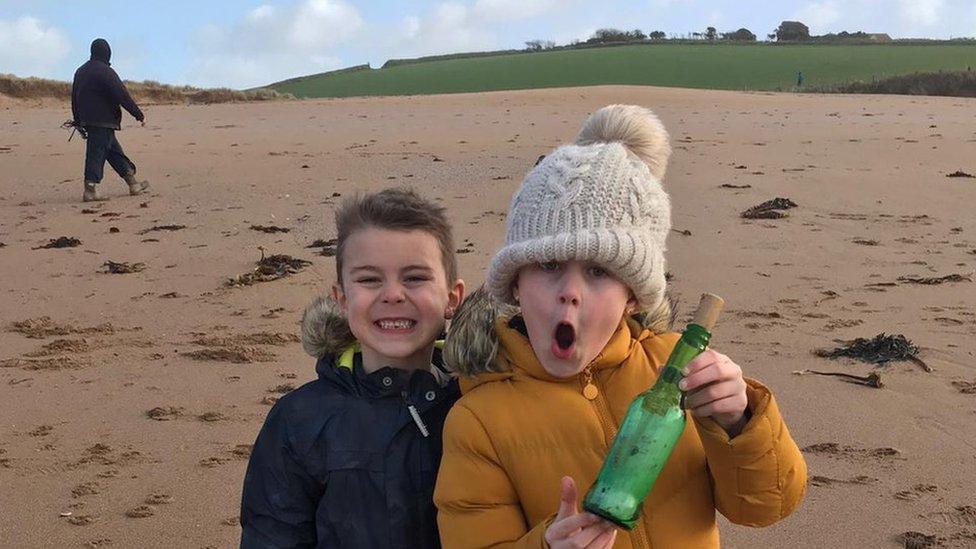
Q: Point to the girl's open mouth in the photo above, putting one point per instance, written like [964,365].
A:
[563,341]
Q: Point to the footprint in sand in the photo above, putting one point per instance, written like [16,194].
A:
[41,431]
[80,520]
[44,327]
[231,521]
[965,387]
[917,540]
[238,354]
[55,363]
[85,489]
[259,338]
[214,461]
[915,492]
[159,498]
[103,454]
[833,449]
[164,413]
[240,348]
[70,346]
[962,515]
[273,313]
[210,417]
[242,451]
[142,511]
[818,480]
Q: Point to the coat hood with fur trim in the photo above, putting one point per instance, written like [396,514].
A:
[324,330]
[471,347]
[326,336]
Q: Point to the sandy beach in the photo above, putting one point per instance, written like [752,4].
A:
[130,401]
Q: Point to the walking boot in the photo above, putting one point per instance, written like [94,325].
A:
[136,186]
[91,193]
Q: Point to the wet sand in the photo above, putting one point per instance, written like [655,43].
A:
[133,404]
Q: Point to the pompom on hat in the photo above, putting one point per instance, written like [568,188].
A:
[599,199]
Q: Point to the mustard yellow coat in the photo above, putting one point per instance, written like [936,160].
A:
[513,435]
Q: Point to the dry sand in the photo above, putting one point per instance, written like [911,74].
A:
[127,418]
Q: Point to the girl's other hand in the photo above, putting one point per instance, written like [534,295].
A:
[575,530]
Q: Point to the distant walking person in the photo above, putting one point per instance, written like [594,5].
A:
[96,94]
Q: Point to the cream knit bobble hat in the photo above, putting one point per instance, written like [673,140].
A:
[599,199]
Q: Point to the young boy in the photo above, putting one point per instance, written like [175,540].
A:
[350,459]
[548,381]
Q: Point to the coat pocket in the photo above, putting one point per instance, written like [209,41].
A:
[354,498]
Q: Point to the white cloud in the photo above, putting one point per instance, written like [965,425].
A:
[451,27]
[514,10]
[661,4]
[261,12]
[714,18]
[245,71]
[322,23]
[29,47]
[925,12]
[410,27]
[270,44]
[819,16]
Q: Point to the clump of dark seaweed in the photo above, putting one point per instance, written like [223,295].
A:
[936,279]
[157,228]
[880,350]
[770,209]
[270,268]
[269,229]
[123,267]
[960,173]
[60,242]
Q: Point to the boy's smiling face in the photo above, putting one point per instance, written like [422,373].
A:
[395,295]
[571,309]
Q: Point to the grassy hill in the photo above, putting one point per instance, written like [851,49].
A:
[720,66]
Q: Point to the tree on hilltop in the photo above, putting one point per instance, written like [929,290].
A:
[792,31]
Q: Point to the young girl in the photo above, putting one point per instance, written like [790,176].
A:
[579,329]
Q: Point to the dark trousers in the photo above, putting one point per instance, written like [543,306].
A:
[102,145]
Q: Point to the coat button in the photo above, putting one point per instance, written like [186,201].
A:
[430,396]
[387,382]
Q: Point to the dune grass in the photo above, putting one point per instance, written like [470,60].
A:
[147,91]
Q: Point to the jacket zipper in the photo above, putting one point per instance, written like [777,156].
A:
[419,421]
[594,394]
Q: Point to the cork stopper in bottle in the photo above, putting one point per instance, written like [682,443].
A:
[708,310]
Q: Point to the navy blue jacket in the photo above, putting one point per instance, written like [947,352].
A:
[97,91]
[342,462]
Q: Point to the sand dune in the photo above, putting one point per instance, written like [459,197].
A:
[131,400]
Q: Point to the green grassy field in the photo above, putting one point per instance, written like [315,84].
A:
[731,67]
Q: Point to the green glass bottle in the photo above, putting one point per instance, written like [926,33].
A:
[649,431]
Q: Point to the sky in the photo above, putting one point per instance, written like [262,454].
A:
[243,44]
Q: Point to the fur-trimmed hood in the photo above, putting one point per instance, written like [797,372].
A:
[324,330]
[471,347]
[327,337]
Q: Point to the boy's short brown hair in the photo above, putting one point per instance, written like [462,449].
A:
[397,209]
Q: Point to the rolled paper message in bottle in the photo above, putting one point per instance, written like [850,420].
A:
[650,429]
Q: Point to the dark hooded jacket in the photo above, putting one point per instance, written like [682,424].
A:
[342,461]
[97,92]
